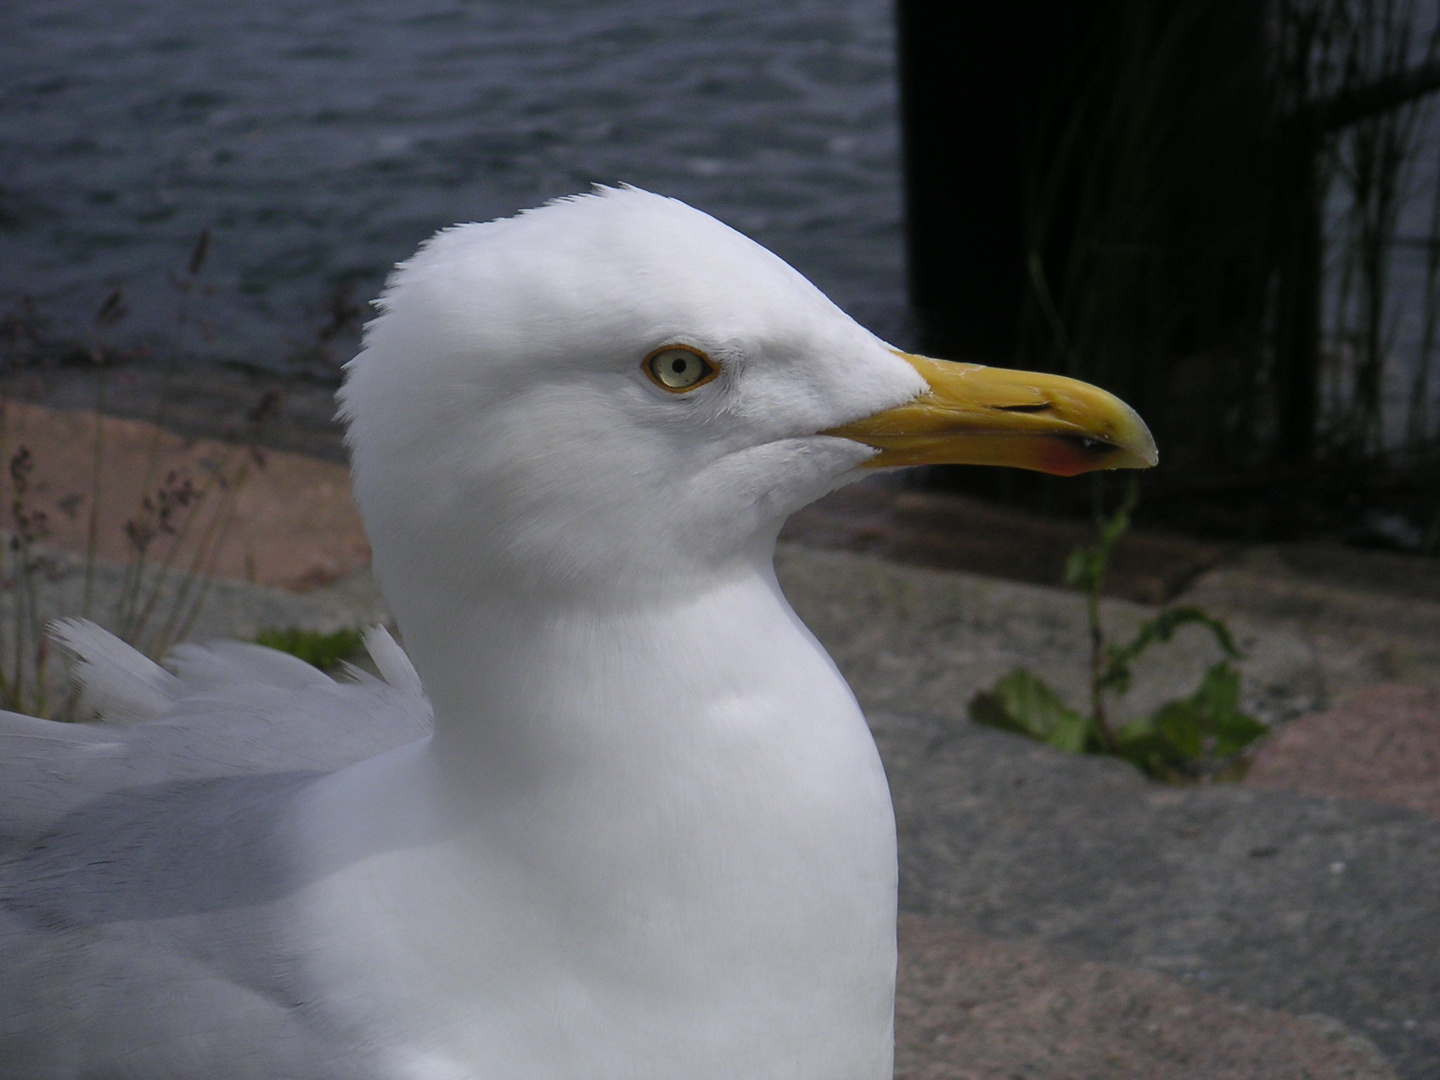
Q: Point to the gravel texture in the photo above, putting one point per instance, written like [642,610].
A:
[1371,616]
[973,1008]
[1274,900]
[1390,734]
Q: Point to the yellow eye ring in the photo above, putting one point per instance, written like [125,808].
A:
[679,368]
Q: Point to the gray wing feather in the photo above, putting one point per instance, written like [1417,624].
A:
[117,684]
[225,709]
[143,874]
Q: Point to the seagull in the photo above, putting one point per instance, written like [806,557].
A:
[611,813]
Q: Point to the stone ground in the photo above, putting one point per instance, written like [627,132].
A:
[1063,916]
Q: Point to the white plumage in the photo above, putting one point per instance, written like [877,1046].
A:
[649,836]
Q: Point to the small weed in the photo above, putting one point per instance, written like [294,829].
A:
[324,651]
[163,588]
[336,324]
[1201,736]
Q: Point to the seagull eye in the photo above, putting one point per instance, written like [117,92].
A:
[677,369]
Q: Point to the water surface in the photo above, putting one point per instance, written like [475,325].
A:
[320,141]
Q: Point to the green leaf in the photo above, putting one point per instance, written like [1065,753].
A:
[1080,568]
[1219,690]
[1085,567]
[1206,726]
[323,651]
[1116,675]
[1182,724]
[1025,704]
[1146,742]
[1071,733]
[1117,526]
[1153,755]
[1219,696]
[1161,629]
[1138,728]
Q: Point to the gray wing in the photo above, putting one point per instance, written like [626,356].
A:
[143,872]
[224,708]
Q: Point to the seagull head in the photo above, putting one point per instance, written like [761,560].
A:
[615,394]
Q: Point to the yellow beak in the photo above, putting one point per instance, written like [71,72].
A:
[975,415]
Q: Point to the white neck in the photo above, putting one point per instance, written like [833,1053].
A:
[641,843]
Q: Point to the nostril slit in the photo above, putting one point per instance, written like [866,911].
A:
[1095,448]
[1043,406]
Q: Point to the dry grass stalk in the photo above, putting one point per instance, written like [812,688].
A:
[173,538]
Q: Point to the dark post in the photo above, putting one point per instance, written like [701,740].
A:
[1300,244]
[975,79]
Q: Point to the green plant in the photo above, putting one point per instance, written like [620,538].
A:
[1194,737]
[321,650]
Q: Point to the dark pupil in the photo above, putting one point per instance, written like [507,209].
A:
[679,364]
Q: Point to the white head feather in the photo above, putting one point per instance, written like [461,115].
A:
[507,359]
